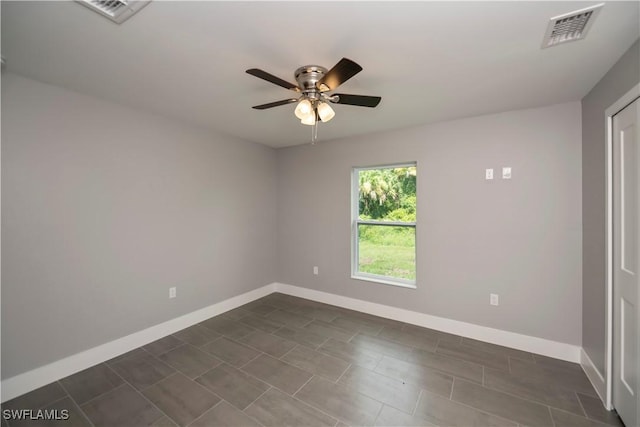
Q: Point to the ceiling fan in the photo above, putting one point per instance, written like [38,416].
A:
[314,84]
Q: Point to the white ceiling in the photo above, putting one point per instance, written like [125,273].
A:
[430,61]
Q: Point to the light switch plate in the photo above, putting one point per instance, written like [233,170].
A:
[506,173]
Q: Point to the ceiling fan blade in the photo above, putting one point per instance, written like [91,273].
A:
[275,104]
[340,73]
[272,79]
[359,100]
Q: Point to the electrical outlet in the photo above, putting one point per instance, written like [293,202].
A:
[172,292]
[488,174]
[315,270]
[494,299]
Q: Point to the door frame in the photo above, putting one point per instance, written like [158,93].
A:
[614,109]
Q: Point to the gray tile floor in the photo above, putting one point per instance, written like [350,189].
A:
[285,361]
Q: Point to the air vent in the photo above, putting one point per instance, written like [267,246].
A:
[116,10]
[571,26]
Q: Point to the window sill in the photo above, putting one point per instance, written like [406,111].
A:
[383,281]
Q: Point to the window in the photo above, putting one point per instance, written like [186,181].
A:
[384,224]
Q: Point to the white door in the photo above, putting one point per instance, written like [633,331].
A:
[626,262]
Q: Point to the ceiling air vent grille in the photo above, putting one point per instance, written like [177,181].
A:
[116,10]
[570,26]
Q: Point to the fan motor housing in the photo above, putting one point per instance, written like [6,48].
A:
[308,76]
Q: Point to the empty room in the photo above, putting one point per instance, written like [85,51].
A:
[314,213]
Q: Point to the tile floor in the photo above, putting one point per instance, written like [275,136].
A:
[285,361]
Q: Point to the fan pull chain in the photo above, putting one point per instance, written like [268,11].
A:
[314,129]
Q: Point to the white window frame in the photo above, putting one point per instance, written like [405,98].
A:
[355,222]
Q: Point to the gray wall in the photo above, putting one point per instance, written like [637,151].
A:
[519,238]
[104,208]
[618,81]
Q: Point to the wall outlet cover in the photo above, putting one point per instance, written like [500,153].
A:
[488,174]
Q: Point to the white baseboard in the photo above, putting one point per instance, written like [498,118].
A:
[595,376]
[31,380]
[535,345]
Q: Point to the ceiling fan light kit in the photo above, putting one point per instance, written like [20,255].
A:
[325,112]
[303,109]
[314,82]
[309,119]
